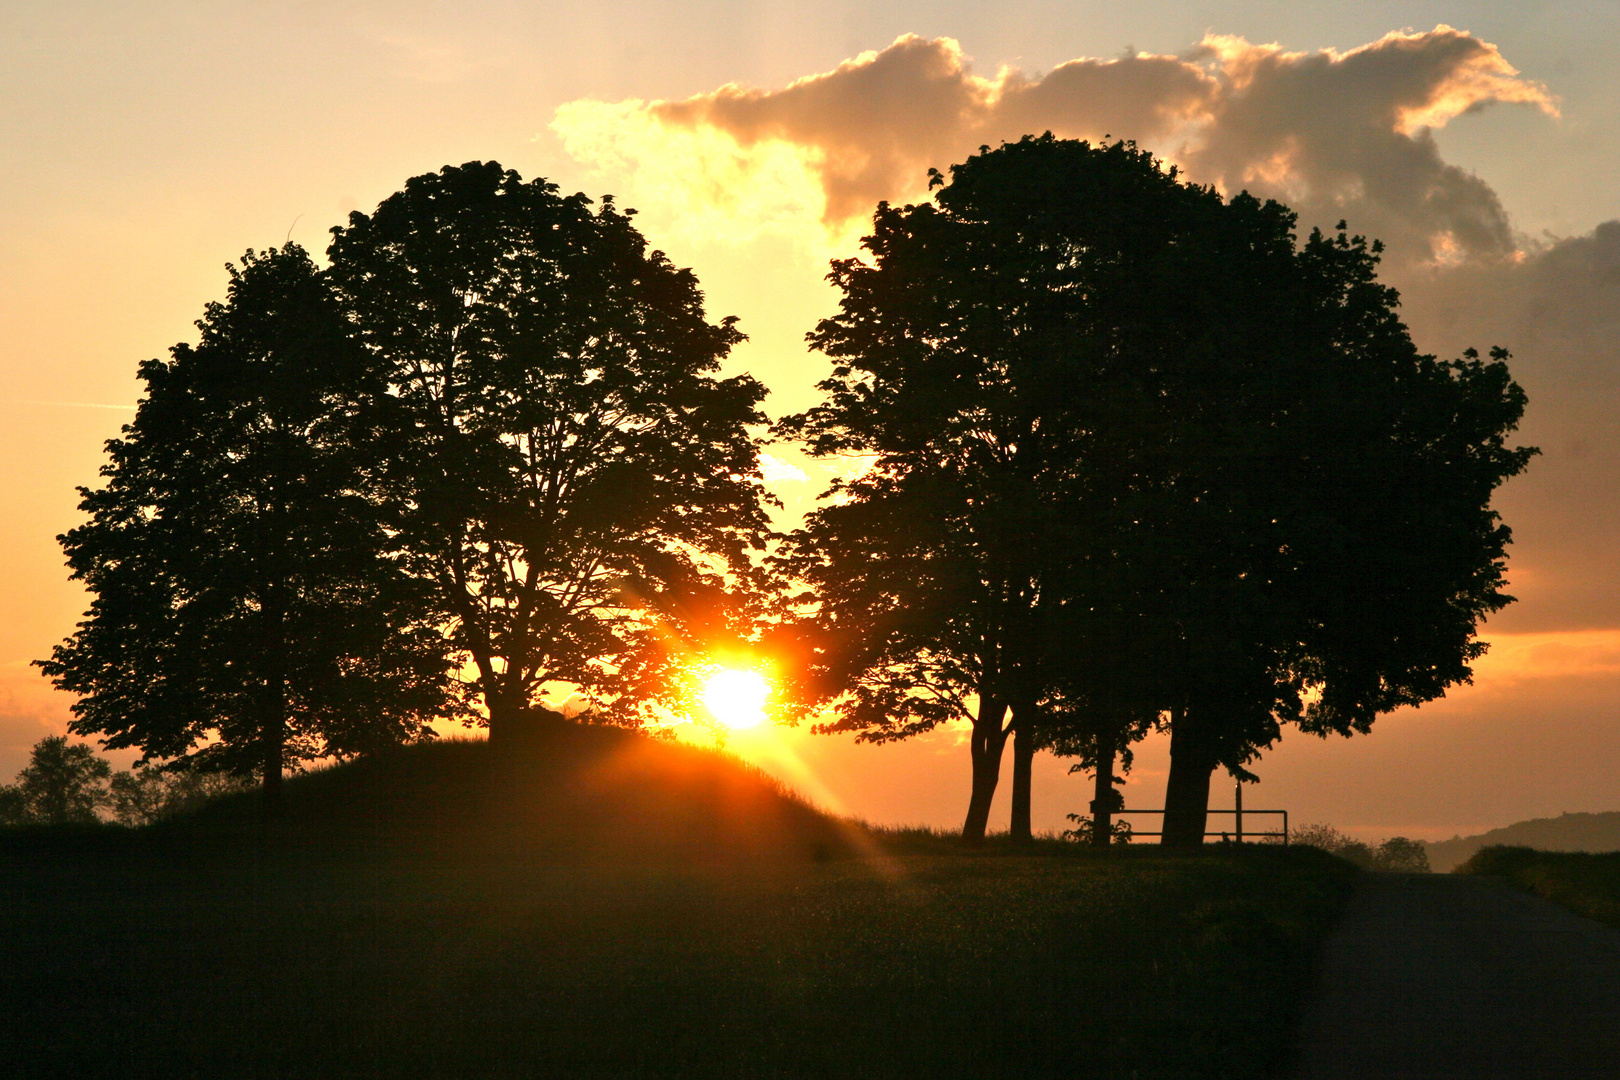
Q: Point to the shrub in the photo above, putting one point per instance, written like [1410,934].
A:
[1395,855]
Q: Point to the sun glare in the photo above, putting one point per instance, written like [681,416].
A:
[736,698]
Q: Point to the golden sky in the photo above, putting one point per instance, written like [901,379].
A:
[146,145]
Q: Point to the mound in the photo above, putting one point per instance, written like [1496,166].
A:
[569,792]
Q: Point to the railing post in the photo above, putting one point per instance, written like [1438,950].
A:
[1239,829]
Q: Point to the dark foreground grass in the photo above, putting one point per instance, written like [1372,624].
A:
[131,955]
[1587,884]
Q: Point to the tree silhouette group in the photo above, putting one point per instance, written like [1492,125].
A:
[1137,458]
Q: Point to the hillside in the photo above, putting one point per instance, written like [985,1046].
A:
[353,950]
[572,793]
[1587,883]
[1566,832]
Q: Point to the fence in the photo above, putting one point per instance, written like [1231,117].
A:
[1237,831]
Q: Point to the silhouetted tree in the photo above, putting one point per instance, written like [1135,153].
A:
[1381,550]
[62,784]
[901,627]
[249,607]
[1138,452]
[1399,855]
[581,484]
[147,793]
[1100,735]
[1004,358]
[1396,855]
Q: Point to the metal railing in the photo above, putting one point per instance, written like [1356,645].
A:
[1236,810]
[1237,832]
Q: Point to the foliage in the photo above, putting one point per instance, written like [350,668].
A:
[62,784]
[581,484]
[978,359]
[1136,452]
[69,784]
[249,609]
[1402,856]
[1586,883]
[146,795]
[1395,855]
[1085,830]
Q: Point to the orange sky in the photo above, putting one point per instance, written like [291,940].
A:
[147,146]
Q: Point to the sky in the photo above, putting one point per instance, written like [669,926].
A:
[146,145]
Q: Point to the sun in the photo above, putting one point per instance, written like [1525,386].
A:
[736,698]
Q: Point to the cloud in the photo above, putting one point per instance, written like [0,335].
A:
[1334,134]
[699,179]
[1350,135]
[1558,309]
[776,471]
[1575,654]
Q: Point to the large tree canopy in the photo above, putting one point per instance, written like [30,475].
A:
[582,484]
[984,357]
[1137,451]
[249,609]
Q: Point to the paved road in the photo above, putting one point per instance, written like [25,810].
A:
[1447,976]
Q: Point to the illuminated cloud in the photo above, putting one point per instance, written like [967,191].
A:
[1574,654]
[700,178]
[776,471]
[1334,134]
[1349,136]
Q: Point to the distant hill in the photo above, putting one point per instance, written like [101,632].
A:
[570,793]
[1566,832]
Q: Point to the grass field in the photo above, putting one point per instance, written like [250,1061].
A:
[1586,884]
[199,952]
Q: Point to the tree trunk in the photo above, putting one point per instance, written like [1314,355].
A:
[1023,757]
[274,731]
[501,719]
[1103,795]
[989,738]
[1186,793]
[275,746]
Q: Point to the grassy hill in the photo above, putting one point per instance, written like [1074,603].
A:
[1567,832]
[574,794]
[603,905]
[1586,883]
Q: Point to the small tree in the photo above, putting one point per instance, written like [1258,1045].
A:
[138,796]
[1395,855]
[147,794]
[62,784]
[1402,856]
